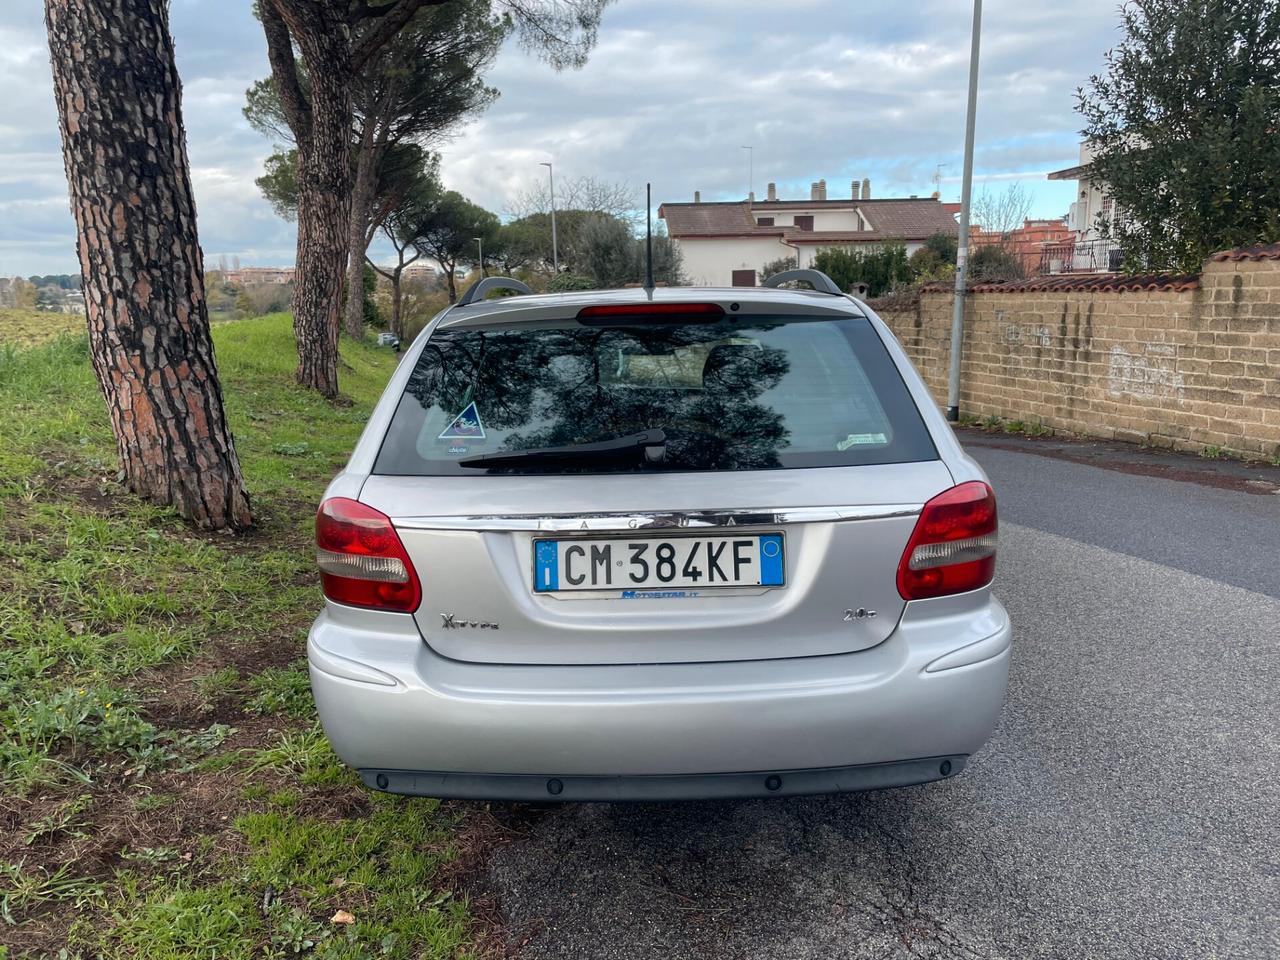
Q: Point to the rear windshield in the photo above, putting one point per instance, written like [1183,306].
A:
[749,393]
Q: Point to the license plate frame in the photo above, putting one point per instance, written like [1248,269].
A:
[769,561]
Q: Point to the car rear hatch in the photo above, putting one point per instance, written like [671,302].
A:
[769,524]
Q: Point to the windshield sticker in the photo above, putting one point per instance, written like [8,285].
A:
[465,426]
[854,439]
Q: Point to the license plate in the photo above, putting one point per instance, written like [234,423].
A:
[655,563]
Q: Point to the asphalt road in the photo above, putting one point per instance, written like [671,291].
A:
[1127,806]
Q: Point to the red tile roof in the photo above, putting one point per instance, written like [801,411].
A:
[889,219]
[1259,251]
[1094,282]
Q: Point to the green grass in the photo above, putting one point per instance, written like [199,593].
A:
[159,756]
[283,690]
[380,868]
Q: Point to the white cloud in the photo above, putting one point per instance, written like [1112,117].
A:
[832,89]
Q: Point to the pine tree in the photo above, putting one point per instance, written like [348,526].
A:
[120,112]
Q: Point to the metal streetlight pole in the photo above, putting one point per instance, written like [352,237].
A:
[480,243]
[751,168]
[962,249]
[555,247]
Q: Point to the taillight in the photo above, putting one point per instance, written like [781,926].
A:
[362,561]
[953,547]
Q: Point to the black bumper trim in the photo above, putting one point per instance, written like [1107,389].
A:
[711,786]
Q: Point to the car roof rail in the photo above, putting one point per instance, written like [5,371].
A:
[478,289]
[820,282]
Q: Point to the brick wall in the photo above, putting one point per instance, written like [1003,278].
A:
[1185,362]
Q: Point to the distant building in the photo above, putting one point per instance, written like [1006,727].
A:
[1028,242]
[248,275]
[726,244]
[419,271]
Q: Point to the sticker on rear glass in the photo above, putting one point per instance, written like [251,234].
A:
[465,426]
[854,439]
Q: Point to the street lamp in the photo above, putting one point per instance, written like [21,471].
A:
[751,168]
[555,249]
[962,248]
[480,243]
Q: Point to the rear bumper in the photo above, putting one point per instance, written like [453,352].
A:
[888,716]
[708,786]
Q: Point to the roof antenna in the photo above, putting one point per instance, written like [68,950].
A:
[648,239]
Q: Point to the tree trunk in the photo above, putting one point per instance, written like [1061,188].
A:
[119,109]
[453,281]
[396,302]
[324,208]
[362,197]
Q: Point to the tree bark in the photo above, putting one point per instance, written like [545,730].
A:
[324,210]
[397,303]
[321,124]
[124,148]
[358,236]
[451,273]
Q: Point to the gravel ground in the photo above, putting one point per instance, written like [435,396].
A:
[1126,806]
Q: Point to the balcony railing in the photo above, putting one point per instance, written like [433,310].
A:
[1081,256]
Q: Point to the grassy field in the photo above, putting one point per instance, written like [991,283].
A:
[25,327]
[165,791]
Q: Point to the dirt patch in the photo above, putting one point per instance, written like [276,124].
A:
[175,702]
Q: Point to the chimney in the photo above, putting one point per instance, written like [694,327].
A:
[751,197]
[773,192]
[855,189]
[813,190]
[697,196]
[866,188]
[822,189]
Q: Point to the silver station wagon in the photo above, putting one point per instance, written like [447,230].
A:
[651,545]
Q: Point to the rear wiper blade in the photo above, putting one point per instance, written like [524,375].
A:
[649,445]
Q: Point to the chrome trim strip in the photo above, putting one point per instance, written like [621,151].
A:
[760,517]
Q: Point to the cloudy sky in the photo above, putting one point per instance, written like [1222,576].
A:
[830,89]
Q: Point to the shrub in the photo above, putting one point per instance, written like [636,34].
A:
[568,282]
[945,245]
[780,265]
[992,263]
[881,268]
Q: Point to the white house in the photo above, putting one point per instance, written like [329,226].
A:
[727,244]
[1087,251]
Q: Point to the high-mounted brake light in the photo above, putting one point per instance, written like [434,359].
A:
[953,547]
[362,561]
[665,310]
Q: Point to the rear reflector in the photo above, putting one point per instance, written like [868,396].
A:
[362,561]
[655,311]
[953,547]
